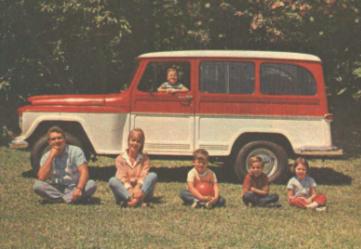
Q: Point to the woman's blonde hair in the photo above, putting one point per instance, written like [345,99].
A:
[142,137]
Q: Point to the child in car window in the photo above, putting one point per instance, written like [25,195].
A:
[172,85]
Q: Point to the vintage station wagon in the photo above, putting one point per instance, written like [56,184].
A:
[239,104]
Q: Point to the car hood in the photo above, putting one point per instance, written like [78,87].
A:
[78,99]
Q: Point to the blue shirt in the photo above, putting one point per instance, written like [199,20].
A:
[301,187]
[64,170]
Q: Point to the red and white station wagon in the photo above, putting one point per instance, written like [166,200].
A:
[239,104]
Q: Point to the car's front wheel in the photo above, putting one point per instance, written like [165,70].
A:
[273,155]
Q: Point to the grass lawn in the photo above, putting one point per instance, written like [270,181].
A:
[25,222]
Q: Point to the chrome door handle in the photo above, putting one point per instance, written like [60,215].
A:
[185,97]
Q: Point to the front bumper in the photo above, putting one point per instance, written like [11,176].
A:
[18,143]
[332,151]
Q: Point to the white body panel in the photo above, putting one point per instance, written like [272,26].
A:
[218,133]
[107,132]
[180,134]
[166,134]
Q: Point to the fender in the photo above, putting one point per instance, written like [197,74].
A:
[50,117]
[268,131]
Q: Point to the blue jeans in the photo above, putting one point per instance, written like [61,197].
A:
[121,194]
[55,192]
[188,198]
[259,200]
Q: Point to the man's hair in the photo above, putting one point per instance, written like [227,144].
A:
[255,159]
[56,129]
[200,154]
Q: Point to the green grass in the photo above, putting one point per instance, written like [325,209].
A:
[27,223]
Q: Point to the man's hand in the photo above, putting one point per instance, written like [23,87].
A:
[55,151]
[77,193]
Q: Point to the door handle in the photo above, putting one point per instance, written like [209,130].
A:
[185,97]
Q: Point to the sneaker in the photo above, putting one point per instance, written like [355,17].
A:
[145,204]
[195,204]
[208,205]
[274,205]
[321,209]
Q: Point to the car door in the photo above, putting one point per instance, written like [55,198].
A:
[166,118]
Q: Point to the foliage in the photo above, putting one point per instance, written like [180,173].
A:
[88,46]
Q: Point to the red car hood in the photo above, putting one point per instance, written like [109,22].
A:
[78,99]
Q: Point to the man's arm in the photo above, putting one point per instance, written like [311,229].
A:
[83,179]
[45,169]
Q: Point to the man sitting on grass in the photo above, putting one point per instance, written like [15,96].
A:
[63,173]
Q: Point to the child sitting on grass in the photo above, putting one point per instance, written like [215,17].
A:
[198,176]
[255,189]
[302,188]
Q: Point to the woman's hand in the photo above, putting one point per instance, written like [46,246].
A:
[137,192]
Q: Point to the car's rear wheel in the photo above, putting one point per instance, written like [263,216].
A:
[273,155]
[41,146]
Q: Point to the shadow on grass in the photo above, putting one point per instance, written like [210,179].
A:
[165,174]
[329,176]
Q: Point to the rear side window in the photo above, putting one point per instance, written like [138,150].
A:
[286,79]
[227,77]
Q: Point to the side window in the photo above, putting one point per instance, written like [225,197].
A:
[286,79]
[156,74]
[227,77]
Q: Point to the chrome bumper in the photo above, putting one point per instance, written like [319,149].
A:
[320,151]
[18,143]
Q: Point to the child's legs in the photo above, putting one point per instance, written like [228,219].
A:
[271,198]
[320,199]
[46,190]
[298,202]
[148,186]
[250,197]
[221,202]
[119,191]
[187,197]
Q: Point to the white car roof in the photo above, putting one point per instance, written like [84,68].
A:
[232,54]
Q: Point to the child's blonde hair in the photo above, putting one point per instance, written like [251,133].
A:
[255,159]
[201,154]
[142,137]
[302,161]
[172,69]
